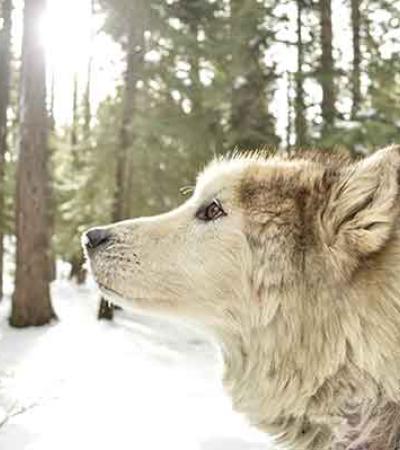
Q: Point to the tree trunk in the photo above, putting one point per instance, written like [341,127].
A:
[50,193]
[52,119]
[87,109]
[356,74]
[289,111]
[31,300]
[252,126]
[124,164]
[326,74]
[74,125]
[300,119]
[77,272]
[5,59]
[122,207]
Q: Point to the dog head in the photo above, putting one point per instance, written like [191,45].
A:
[254,228]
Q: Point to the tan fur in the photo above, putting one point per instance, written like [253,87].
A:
[299,282]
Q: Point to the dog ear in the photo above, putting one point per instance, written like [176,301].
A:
[363,204]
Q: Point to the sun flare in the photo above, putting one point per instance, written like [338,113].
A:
[71,36]
[66,32]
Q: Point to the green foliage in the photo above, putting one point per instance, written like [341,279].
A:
[206,86]
[84,181]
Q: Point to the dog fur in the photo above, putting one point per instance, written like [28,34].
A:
[299,280]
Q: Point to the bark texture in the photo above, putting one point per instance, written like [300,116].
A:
[5,59]
[327,69]
[356,74]
[31,300]
[300,109]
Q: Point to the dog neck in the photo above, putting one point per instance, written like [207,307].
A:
[307,393]
[270,401]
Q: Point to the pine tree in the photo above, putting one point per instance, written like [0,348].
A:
[356,72]
[51,209]
[135,28]
[299,103]
[133,71]
[375,114]
[192,56]
[76,260]
[327,69]
[5,59]
[252,125]
[74,126]
[31,300]
[86,102]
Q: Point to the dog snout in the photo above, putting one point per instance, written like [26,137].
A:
[96,237]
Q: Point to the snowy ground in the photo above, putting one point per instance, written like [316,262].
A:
[135,383]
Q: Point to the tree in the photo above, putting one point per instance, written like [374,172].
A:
[76,260]
[134,68]
[135,47]
[299,103]
[75,118]
[87,107]
[79,140]
[252,125]
[50,191]
[356,73]
[375,39]
[5,57]
[31,303]
[326,69]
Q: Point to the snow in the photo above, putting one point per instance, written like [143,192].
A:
[134,383]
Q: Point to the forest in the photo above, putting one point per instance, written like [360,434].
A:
[108,111]
[198,78]
[195,79]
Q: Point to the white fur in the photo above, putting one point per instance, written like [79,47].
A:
[299,282]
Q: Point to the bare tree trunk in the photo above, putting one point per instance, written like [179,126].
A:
[77,272]
[74,126]
[5,59]
[326,75]
[356,74]
[300,120]
[124,166]
[134,67]
[31,300]
[125,134]
[50,193]
[87,109]
[289,111]
[52,119]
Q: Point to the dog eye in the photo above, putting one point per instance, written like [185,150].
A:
[210,212]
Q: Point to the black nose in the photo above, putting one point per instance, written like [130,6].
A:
[97,236]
